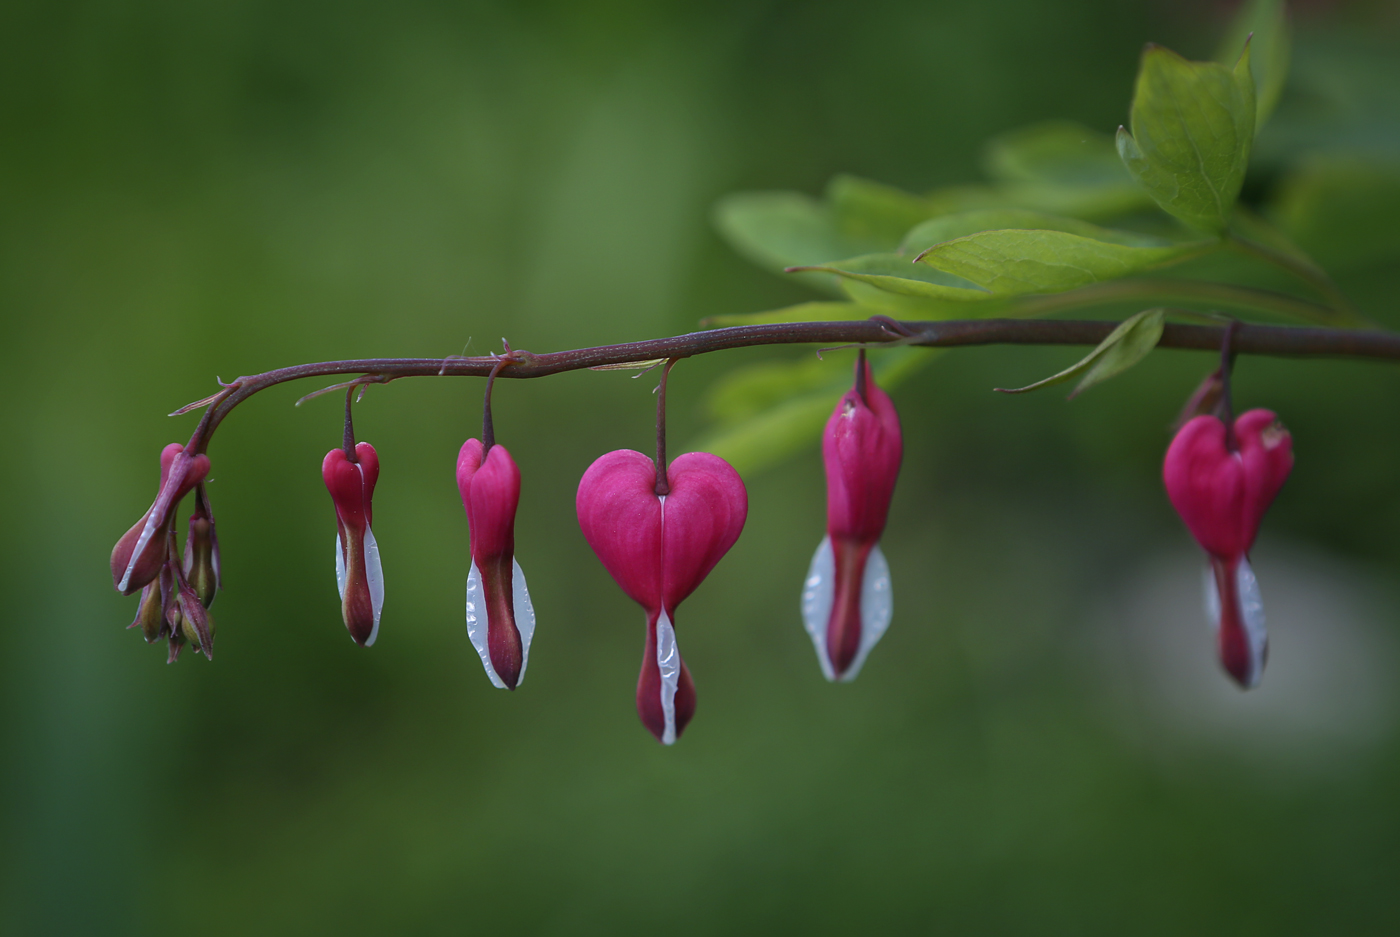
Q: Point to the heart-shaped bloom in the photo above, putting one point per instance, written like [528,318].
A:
[500,617]
[141,552]
[358,573]
[1221,491]
[846,598]
[659,548]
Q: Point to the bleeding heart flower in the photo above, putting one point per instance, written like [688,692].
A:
[846,598]
[358,572]
[1221,487]
[659,548]
[500,616]
[141,552]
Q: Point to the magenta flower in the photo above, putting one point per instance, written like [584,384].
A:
[500,617]
[1221,484]
[141,552]
[846,598]
[358,573]
[659,548]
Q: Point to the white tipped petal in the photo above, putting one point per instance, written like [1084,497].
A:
[876,608]
[374,572]
[668,660]
[1252,613]
[818,592]
[476,624]
[340,566]
[524,616]
[1251,616]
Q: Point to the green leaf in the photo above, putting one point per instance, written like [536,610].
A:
[1059,152]
[1267,22]
[802,312]
[1124,347]
[948,227]
[777,230]
[1192,128]
[772,410]
[1009,262]
[872,213]
[896,274]
[1342,209]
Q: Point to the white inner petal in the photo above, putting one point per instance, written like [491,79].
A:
[339,565]
[668,659]
[818,591]
[1251,615]
[374,572]
[1212,597]
[524,616]
[1252,611]
[476,624]
[876,608]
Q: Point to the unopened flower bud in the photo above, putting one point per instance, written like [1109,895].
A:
[500,616]
[1222,492]
[358,572]
[140,553]
[151,613]
[846,599]
[202,550]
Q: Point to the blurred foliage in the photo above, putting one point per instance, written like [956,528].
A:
[198,190]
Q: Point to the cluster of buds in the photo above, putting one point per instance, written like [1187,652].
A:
[176,590]
[1221,475]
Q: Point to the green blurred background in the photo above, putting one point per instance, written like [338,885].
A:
[1041,744]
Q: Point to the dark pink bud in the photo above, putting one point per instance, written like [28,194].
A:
[500,617]
[659,549]
[846,599]
[1222,495]
[358,572]
[139,554]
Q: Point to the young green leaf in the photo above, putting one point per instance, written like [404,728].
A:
[1124,347]
[1008,262]
[1192,128]
[947,227]
[896,274]
[802,312]
[776,230]
[1267,22]
[873,213]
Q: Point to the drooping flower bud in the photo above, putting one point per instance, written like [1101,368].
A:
[500,616]
[358,572]
[139,554]
[659,548]
[1221,487]
[151,614]
[196,624]
[846,598]
[202,550]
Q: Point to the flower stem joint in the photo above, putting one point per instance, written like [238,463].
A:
[659,548]
[1221,480]
[846,599]
[350,475]
[500,616]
